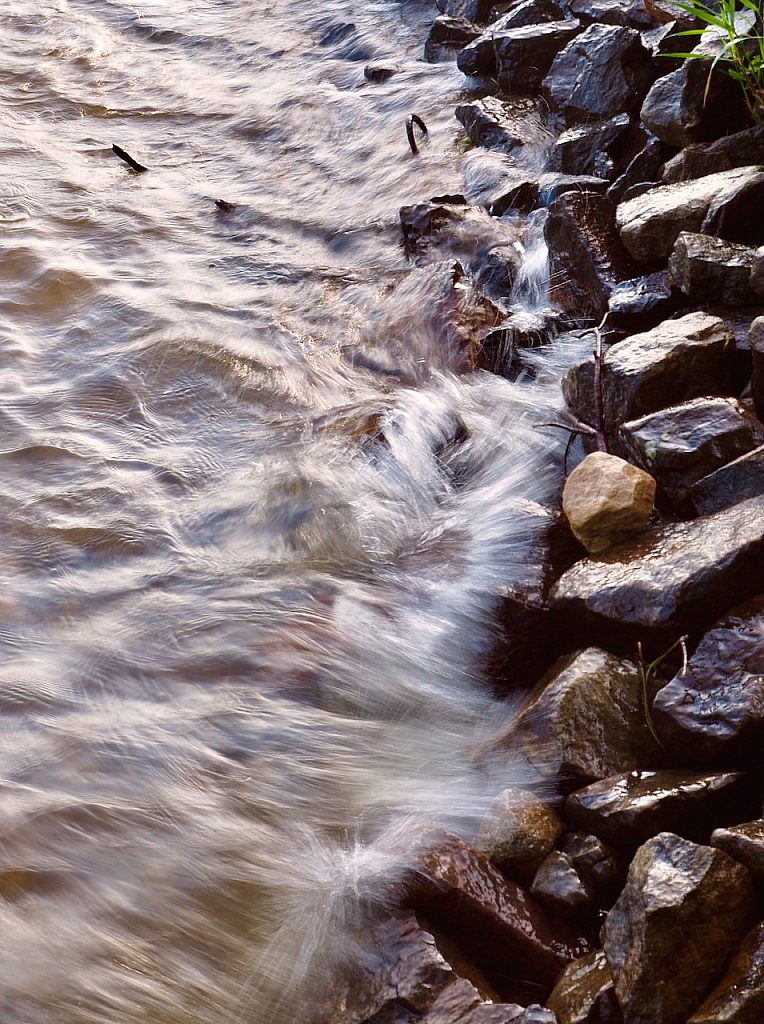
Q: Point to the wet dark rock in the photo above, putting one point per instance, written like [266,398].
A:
[677,110]
[611,12]
[509,125]
[675,361]
[517,833]
[683,910]
[584,993]
[674,578]
[714,711]
[742,149]
[737,480]
[498,923]
[726,204]
[682,444]
[559,886]
[642,303]
[712,270]
[739,996]
[585,148]
[756,278]
[533,12]
[666,12]
[744,843]
[586,718]
[602,72]
[447,36]
[756,343]
[471,10]
[643,167]
[377,73]
[520,57]
[629,808]
[595,863]
[461,1004]
[586,257]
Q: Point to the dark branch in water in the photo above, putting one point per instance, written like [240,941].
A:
[128,159]
[414,119]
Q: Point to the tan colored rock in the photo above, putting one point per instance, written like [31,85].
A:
[517,833]
[606,500]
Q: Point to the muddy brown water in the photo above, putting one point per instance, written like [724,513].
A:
[253,521]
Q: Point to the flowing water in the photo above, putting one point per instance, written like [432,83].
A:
[254,519]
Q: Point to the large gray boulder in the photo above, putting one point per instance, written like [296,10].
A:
[729,204]
[586,719]
[602,72]
[675,577]
[683,910]
[715,709]
[520,57]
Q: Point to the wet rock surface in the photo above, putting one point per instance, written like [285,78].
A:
[518,832]
[708,269]
[628,809]
[584,993]
[447,36]
[756,342]
[560,887]
[737,150]
[520,57]
[504,124]
[739,996]
[737,480]
[607,500]
[715,708]
[683,910]
[745,844]
[586,719]
[590,148]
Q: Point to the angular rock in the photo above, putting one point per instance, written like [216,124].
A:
[745,844]
[520,57]
[595,863]
[586,718]
[643,167]
[533,12]
[447,36]
[738,150]
[471,10]
[602,72]
[517,833]
[708,269]
[586,256]
[682,444]
[672,579]
[585,148]
[607,500]
[714,711]
[665,12]
[529,193]
[460,1003]
[683,910]
[725,204]
[584,993]
[756,342]
[498,923]
[737,480]
[675,361]
[559,886]
[509,125]
[611,12]
[739,996]
[644,302]
[629,808]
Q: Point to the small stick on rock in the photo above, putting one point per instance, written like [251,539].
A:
[414,119]
[128,159]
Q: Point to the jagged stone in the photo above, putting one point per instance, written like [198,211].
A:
[447,36]
[739,996]
[611,12]
[682,444]
[714,710]
[460,1003]
[737,480]
[477,11]
[725,204]
[596,864]
[708,269]
[586,256]
[673,578]
[499,924]
[602,72]
[520,57]
[683,910]
[643,167]
[666,12]
[528,193]
[517,833]
[586,718]
[756,343]
[629,808]
[644,302]
[675,361]
[606,500]
[585,148]
[533,12]
[584,993]
[560,887]
[742,149]
[744,843]
[509,125]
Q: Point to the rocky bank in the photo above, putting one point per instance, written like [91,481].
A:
[637,897]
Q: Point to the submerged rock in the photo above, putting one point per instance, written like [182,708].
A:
[586,718]
[738,150]
[602,72]
[607,500]
[520,56]
[715,709]
[627,809]
[682,444]
[517,833]
[584,993]
[728,204]
[739,996]
[673,578]
[509,125]
[683,910]
[708,269]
